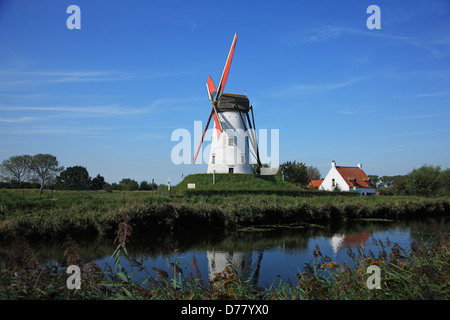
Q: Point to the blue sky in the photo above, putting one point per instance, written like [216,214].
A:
[109,95]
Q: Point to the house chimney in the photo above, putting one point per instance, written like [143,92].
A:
[360,166]
[333,164]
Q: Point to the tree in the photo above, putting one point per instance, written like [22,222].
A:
[74,178]
[399,185]
[294,172]
[44,167]
[313,173]
[129,184]
[445,181]
[16,168]
[98,183]
[147,186]
[424,181]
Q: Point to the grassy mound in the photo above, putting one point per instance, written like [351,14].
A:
[230,181]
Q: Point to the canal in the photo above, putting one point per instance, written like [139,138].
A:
[263,255]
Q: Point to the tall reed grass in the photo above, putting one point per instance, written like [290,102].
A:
[50,219]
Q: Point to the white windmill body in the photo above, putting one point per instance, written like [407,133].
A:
[233,131]
[230,153]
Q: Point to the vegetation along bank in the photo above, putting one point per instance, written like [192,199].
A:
[99,213]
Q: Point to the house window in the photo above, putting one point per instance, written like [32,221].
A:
[230,170]
[243,158]
[333,183]
[231,141]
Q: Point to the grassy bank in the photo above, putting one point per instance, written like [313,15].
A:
[100,213]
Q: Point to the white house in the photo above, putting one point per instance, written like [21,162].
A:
[348,179]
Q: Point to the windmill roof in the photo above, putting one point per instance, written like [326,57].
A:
[355,177]
[233,101]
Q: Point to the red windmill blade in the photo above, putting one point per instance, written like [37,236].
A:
[226,69]
[203,136]
[214,95]
[212,92]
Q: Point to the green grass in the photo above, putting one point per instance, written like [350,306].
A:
[229,181]
[17,195]
[99,213]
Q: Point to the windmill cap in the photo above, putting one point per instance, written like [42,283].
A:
[233,101]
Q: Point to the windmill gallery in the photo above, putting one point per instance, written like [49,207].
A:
[234,137]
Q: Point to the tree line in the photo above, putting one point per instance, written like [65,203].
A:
[428,180]
[44,170]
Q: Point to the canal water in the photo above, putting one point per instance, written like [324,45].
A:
[265,254]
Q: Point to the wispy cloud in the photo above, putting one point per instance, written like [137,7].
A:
[17,120]
[441,73]
[18,78]
[357,111]
[157,106]
[21,76]
[330,32]
[432,94]
[421,116]
[50,130]
[417,133]
[102,110]
[304,89]
[436,47]
[66,75]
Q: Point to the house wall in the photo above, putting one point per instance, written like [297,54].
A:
[367,191]
[327,183]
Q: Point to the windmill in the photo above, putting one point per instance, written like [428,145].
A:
[234,130]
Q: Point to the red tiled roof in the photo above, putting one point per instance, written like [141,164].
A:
[355,177]
[315,184]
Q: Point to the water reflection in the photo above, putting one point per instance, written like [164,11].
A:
[259,255]
[349,241]
[239,261]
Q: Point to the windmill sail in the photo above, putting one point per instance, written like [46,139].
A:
[234,138]
[226,69]
[203,136]
[214,94]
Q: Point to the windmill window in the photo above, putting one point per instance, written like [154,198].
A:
[213,159]
[243,158]
[231,141]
